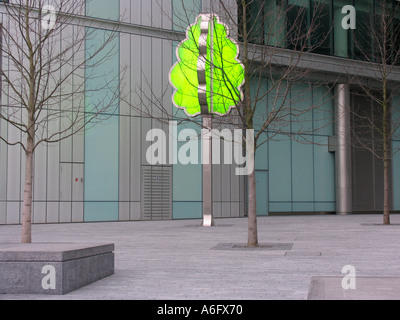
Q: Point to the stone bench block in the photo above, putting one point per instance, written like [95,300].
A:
[53,268]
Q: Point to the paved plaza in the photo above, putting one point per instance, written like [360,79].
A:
[302,257]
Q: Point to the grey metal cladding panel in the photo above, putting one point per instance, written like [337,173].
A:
[216,177]
[14,174]
[217,209]
[65,212]
[135,159]
[226,209]
[40,176]
[157,193]
[136,11]
[77,186]
[235,210]
[227,11]
[22,177]
[135,211]
[235,184]
[80,9]
[66,150]
[3,160]
[125,74]
[14,154]
[243,196]
[65,182]
[225,182]
[78,101]
[145,86]
[157,13]
[146,127]
[53,172]
[39,212]
[67,88]
[13,213]
[163,148]
[136,74]
[77,212]
[3,171]
[124,211]
[166,67]
[125,10]
[3,213]
[52,212]
[124,158]
[156,76]
[230,16]
[167,14]
[146,13]
[206,5]
[78,149]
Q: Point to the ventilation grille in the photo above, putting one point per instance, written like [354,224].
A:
[156,194]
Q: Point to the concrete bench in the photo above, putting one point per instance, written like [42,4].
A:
[53,268]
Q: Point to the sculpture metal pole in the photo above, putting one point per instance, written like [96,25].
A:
[208,220]
[207,68]
[206,110]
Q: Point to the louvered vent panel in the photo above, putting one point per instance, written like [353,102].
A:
[157,193]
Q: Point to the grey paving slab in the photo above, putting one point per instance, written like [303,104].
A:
[365,288]
[174,260]
[260,247]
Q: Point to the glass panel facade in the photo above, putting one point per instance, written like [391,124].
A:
[316,26]
[256,14]
[275,23]
[341,38]
[393,28]
[321,24]
[298,15]
[362,44]
[396,155]
[396,39]
[309,169]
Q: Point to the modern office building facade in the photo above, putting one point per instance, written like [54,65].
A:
[104,174]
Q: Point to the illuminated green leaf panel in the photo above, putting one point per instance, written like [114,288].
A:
[208,76]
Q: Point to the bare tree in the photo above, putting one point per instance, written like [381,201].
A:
[264,33]
[377,43]
[45,59]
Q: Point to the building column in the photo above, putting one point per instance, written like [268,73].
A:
[344,196]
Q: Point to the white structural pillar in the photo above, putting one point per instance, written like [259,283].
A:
[344,195]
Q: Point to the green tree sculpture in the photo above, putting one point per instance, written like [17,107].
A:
[208,75]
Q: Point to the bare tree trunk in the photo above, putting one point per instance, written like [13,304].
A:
[30,140]
[386,157]
[386,162]
[252,209]
[27,209]
[252,212]
[386,208]
[248,113]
